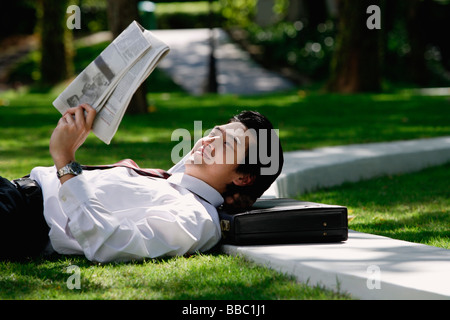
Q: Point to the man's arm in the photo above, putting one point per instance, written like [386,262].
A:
[70,133]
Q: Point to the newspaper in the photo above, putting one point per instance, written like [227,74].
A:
[109,82]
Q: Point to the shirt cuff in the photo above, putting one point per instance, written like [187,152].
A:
[75,192]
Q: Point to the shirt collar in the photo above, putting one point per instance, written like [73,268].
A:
[198,187]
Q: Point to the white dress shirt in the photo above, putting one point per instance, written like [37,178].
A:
[118,215]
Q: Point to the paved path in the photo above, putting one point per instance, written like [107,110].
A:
[187,64]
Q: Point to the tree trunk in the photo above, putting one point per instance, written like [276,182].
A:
[56,42]
[356,63]
[416,19]
[120,14]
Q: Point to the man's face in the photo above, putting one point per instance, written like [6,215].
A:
[219,154]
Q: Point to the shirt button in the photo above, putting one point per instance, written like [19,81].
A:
[63,199]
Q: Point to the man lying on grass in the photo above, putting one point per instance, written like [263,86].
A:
[117,214]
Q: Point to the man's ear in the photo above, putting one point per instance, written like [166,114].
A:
[244,179]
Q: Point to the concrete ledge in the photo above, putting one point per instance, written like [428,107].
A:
[366,266]
[305,171]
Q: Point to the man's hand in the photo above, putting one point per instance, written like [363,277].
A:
[70,133]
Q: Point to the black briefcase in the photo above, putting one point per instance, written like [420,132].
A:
[282,220]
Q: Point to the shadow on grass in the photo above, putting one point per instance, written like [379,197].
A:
[212,276]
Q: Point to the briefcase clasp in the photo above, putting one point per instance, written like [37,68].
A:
[225,225]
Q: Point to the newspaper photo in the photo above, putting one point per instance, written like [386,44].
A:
[109,82]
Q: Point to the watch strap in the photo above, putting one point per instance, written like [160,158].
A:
[69,169]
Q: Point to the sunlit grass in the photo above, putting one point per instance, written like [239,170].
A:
[412,207]
[215,277]
[305,121]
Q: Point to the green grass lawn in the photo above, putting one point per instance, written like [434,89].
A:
[201,276]
[304,120]
[411,207]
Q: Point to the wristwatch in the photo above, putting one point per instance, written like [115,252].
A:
[70,168]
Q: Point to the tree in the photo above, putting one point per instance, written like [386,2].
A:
[417,17]
[356,62]
[56,42]
[120,14]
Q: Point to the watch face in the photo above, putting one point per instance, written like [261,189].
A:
[75,167]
